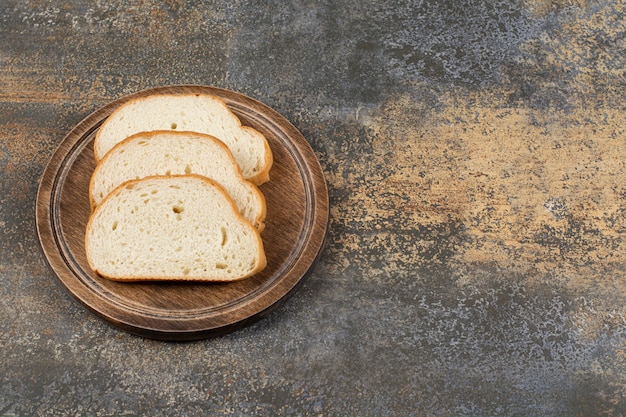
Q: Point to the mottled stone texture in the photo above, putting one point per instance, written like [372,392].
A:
[474,152]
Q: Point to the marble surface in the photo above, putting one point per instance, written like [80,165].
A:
[474,153]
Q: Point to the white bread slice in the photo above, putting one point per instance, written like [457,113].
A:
[176,153]
[201,113]
[180,227]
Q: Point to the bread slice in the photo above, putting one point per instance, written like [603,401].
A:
[201,113]
[180,227]
[176,153]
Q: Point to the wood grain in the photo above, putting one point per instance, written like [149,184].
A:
[296,227]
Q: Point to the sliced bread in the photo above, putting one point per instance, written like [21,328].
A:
[176,153]
[182,227]
[189,112]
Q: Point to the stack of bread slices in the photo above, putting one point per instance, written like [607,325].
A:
[174,195]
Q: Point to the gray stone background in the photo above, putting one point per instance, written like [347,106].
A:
[474,153]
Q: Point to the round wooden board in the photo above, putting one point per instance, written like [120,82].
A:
[296,227]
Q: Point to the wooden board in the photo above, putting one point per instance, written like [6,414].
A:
[296,227]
